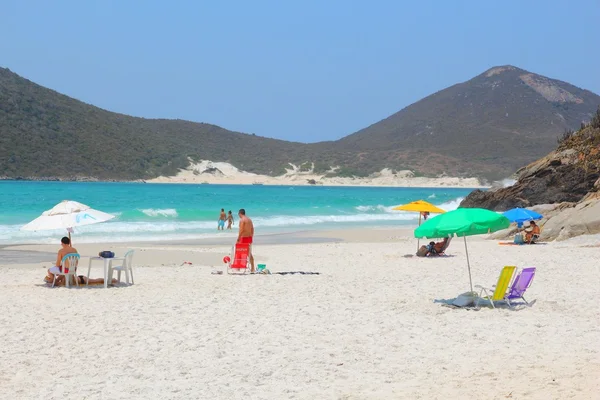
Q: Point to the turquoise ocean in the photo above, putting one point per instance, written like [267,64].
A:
[153,212]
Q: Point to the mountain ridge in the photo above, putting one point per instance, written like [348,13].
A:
[501,93]
[428,136]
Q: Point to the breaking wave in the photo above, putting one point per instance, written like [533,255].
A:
[168,212]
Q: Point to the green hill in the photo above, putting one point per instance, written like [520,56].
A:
[485,127]
[493,123]
[44,133]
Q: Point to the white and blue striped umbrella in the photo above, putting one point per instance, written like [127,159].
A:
[66,215]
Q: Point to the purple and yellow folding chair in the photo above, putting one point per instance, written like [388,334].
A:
[499,292]
[520,285]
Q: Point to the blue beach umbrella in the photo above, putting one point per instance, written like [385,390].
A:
[520,215]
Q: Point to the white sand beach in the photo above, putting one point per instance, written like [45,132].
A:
[370,326]
[225,173]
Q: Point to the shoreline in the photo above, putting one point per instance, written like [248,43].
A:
[168,181]
[22,253]
[207,171]
[424,183]
[217,172]
[345,233]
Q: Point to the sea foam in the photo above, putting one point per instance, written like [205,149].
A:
[167,212]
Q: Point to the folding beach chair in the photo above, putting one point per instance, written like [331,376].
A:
[443,251]
[69,269]
[238,264]
[520,285]
[500,291]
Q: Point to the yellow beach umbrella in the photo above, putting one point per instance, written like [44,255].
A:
[420,206]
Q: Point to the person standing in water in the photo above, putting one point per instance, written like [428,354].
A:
[246,234]
[221,221]
[230,220]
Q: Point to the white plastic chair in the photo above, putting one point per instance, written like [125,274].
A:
[69,261]
[126,267]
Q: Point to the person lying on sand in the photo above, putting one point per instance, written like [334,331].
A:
[65,248]
[82,280]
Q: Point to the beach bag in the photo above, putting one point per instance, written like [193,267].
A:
[465,300]
[106,254]
[519,239]
[422,252]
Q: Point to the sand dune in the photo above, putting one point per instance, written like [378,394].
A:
[368,327]
[225,173]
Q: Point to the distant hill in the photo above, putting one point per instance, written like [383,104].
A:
[497,122]
[44,133]
[485,127]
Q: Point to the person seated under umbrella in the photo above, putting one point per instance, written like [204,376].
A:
[532,233]
[434,249]
[65,248]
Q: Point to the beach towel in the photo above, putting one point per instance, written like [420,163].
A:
[295,272]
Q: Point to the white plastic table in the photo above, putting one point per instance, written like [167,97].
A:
[107,263]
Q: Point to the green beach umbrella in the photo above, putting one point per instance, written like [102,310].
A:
[463,222]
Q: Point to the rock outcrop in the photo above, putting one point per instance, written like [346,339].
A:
[568,174]
[564,187]
[563,220]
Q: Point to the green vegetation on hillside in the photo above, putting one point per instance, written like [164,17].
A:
[568,174]
[493,124]
[485,127]
[44,133]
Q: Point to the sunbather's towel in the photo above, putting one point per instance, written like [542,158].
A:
[296,272]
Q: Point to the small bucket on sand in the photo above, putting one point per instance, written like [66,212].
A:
[261,267]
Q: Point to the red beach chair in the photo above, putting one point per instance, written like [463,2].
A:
[240,260]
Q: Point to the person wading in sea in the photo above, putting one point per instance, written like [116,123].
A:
[221,221]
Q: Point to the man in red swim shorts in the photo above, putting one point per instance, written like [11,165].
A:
[246,233]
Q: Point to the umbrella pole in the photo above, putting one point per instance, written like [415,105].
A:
[468,264]
[419,239]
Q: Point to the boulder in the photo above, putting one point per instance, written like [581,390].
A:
[568,174]
[582,219]
[562,221]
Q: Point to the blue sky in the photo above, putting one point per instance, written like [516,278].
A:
[296,70]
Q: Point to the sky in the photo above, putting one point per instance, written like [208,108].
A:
[296,70]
